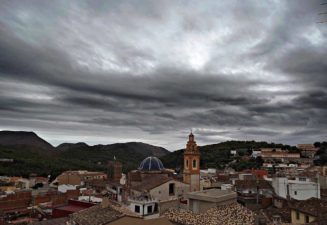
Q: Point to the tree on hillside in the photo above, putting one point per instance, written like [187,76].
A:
[317,144]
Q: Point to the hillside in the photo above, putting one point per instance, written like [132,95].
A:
[130,154]
[136,147]
[218,155]
[71,146]
[32,154]
[23,139]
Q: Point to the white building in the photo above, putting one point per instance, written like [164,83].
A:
[295,189]
[143,205]
[256,153]
[208,172]
[63,188]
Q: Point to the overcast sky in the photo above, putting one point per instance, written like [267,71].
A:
[118,71]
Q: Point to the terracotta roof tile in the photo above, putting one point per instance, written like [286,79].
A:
[312,206]
[263,184]
[151,182]
[96,215]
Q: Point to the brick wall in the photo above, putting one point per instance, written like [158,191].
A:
[72,194]
[56,198]
[15,201]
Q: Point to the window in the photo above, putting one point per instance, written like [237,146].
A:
[172,189]
[194,163]
[186,163]
[302,179]
[295,192]
[307,219]
[137,209]
[150,209]
[297,215]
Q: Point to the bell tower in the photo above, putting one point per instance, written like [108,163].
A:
[192,164]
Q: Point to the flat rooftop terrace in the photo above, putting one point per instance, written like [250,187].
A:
[212,195]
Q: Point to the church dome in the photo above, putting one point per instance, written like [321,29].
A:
[151,164]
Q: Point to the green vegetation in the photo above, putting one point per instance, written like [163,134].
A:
[321,153]
[28,160]
[218,155]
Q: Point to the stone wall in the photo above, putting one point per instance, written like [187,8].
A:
[165,205]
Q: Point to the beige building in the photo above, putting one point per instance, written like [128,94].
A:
[79,177]
[160,187]
[308,150]
[150,184]
[201,201]
[282,156]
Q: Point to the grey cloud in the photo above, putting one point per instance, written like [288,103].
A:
[152,71]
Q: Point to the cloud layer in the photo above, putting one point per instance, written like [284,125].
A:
[151,70]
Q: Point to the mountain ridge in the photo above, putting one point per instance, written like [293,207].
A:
[32,154]
[23,138]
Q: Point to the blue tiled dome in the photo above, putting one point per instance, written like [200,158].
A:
[151,164]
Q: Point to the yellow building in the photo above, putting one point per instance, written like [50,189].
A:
[303,212]
[299,217]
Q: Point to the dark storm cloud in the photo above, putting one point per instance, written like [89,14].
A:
[150,71]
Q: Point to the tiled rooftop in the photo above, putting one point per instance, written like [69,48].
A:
[312,206]
[151,182]
[263,184]
[59,221]
[96,215]
[231,214]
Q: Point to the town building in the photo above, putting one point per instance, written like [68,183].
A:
[151,177]
[109,212]
[15,202]
[115,171]
[308,211]
[143,205]
[295,189]
[150,184]
[308,150]
[127,220]
[254,192]
[201,201]
[279,156]
[191,173]
[79,177]
[72,206]
[256,153]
